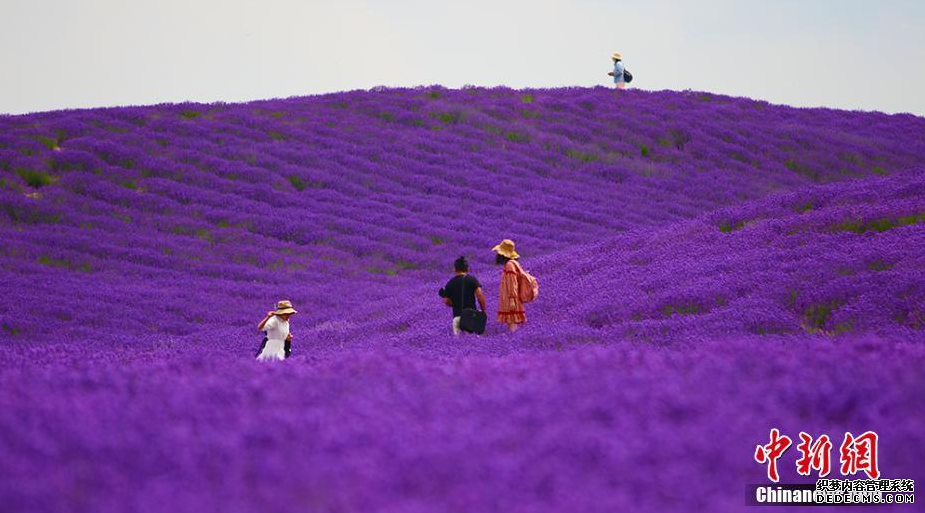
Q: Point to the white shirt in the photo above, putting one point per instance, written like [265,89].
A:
[276,328]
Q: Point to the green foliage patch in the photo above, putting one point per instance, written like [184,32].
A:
[34,177]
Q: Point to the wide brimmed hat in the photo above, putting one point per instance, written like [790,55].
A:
[617,56]
[506,248]
[284,307]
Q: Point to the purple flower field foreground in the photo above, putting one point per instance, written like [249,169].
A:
[710,268]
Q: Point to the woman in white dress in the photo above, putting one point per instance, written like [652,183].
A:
[276,324]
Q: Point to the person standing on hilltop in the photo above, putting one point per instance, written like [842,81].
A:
[517,286]
[619,73]
[276,324]
[460,293]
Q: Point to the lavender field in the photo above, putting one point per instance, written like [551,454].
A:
[710,268]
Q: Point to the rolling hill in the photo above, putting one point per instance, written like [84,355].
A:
[710,267]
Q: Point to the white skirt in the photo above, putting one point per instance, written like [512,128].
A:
[274,350]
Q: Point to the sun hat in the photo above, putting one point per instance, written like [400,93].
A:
[506,248]
[284,307]
[617,55]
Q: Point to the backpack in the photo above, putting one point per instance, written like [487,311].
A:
[627,76]
[527,286]
[472,321]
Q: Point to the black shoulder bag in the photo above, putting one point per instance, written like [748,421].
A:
[470,319]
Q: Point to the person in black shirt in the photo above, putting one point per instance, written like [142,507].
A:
[461,291]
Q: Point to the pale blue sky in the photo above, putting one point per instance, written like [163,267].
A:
[82,53]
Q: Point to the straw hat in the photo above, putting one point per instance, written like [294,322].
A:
[617,55]
[284,307]
[506,248]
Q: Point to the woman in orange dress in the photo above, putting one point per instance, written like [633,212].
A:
[510,307]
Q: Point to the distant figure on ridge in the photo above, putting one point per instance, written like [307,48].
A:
[460,293]
[620,75]
[276,324]
[517,286]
